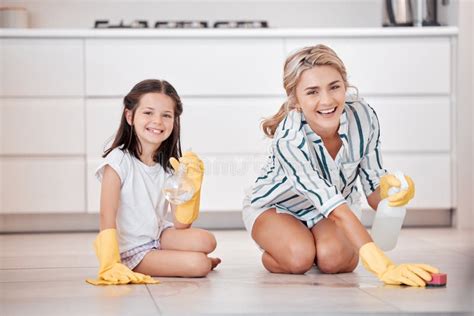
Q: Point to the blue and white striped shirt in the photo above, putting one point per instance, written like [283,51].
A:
[302,179]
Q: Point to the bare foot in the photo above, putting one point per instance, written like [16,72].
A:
[214,262]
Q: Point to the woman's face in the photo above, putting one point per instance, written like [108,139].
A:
[154,119]
[320,93]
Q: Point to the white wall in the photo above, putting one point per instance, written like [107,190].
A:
[298,13]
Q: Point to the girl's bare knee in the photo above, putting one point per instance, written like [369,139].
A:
[208,241]
[199,265]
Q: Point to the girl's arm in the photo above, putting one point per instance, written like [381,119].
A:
[350,225]
[109,198]
[177,224]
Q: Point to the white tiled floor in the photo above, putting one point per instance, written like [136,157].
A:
[43,274]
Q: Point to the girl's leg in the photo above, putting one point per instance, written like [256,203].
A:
[190,239]
[173,263]
[288,244]
[335,254]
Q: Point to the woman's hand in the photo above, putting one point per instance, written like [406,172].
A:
[398,199]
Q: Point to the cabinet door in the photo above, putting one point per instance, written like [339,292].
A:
[41,67]
[413,124]
[383,66]
[202,66]
[226,178]
[431,174]
[42,126]
[226,125]
[42,185]
[103,119]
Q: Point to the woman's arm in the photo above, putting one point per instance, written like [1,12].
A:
[109,198]
[374,199]
[350,225]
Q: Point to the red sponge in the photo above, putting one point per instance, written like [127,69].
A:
[439,279]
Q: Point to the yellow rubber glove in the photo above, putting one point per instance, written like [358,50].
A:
[111,271]
[375,261]
[398,199]
[188,212]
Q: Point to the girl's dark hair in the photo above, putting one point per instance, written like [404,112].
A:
[126,137]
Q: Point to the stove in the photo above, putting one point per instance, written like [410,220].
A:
[184,24]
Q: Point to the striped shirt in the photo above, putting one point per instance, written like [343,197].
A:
[302,179]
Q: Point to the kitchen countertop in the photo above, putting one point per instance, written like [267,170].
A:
[234,33]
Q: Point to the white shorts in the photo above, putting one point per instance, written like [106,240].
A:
[250,214]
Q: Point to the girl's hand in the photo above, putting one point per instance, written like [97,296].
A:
[194,168]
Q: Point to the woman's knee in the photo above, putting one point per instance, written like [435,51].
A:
[299,258]
[334,257]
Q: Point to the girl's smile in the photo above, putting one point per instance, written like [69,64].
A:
[153,120]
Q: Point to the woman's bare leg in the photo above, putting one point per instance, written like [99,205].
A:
[175,263]
[335,254]
[288,244]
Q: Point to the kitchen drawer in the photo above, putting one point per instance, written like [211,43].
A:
[93,186]
[391,65]
[102,122]
[41,67]
[49,126]
[226,178]
[193,66]
[42,185]
[431,174]
[208,125]
[225,126]
[414,124]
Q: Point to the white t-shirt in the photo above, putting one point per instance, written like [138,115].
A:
[143,207]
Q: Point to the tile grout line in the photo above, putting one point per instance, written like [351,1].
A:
[153,299]
[368,293]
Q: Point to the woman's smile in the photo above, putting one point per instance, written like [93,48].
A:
[327,113]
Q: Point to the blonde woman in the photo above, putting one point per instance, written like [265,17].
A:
[303,209]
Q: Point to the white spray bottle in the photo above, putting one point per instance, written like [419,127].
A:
[389,219]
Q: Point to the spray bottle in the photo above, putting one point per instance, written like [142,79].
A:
[178,189]
[389,219]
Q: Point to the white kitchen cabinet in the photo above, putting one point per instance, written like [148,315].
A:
[60,108]
[41,67]
[42,185]
[395,65]
[45,126]
[431,174]
[103,120]
[194,67]
[226,125]
[414,124]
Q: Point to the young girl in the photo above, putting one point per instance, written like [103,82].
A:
[303,207]
[132,205]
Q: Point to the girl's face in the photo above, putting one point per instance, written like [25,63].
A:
[153,120]
[320,93]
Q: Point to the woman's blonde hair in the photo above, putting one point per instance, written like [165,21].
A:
[301,60]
